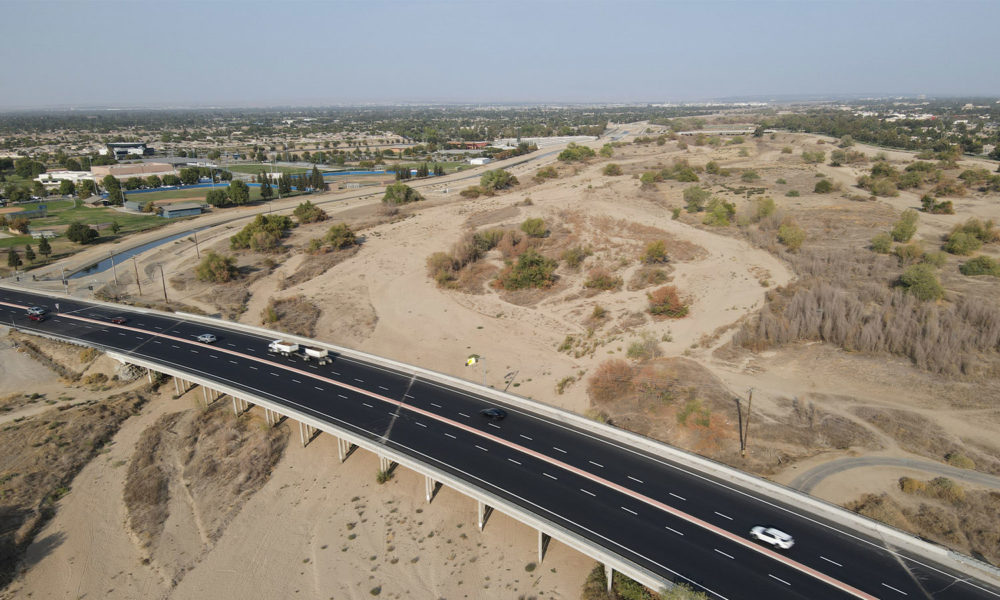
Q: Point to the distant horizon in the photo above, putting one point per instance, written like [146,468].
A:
[64,54]
[722,101]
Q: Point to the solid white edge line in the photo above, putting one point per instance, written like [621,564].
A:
[895,589]
[729,556]
[783,581]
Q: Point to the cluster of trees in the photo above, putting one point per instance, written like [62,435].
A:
[423,170]
[14,260]
[236,193]
[81,233]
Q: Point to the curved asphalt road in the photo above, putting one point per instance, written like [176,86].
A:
[680,524]
[807,482]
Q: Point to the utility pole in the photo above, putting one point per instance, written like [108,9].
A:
[113,267]
[65,283]
[197,251]
[164,282]
[746,427]
[137,276]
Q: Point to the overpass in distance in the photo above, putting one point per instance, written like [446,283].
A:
[655,513]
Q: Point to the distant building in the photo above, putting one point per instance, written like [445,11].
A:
[467,145]
[137,170]
[43,233]
[135,205]
[480,161]
[172,211]
[122,150]
[52,178]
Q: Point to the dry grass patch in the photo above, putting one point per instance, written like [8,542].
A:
[40,456]
[295,315]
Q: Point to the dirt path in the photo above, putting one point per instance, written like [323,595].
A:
[807,481]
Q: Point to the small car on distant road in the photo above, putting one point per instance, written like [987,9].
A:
[207,338]
[119,320]
[493,413]
[772,537]
[37,310]
[37,318]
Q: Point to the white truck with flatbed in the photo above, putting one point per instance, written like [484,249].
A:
[282,347]
[320,355]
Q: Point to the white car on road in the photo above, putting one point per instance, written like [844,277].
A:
[207,338]
[772,536]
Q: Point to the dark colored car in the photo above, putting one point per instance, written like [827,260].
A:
[35,317]
[494,413]
[119,320]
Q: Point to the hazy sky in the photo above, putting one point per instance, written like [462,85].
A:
[240,52]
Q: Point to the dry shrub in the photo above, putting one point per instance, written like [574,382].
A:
[665,302]
[512,245]
[295,315]
[840,300]
[147,486]
[647,276]
[601,279]
[611,380]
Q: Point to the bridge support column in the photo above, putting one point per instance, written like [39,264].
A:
[149,375]
[343,449]
[177,386]
[305,432]
[482,514]
[236,410]
[429,485]
[204,394]
[609,572]
[384,464]
[543,544]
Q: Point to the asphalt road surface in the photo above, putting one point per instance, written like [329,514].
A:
[659,514]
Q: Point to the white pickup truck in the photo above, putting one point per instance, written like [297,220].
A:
[322,356]
[282,347]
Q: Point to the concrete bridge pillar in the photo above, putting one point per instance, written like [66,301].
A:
[609,572]
[177,385]
[384,464]
[149,375]
[305,433]
[543,544]
[343,449]
[429,485]
[204,394]
[482,514]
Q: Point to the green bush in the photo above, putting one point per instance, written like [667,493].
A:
[980,265]
[473,191]
[607,151]
[793,193]
[749,176]
[612,170]
[936,259]
[534,227]
[921,281]
[400,193]
[882,243]
[696,198]
[307,212]
[905,227]
[340,236]
[823,186]
[277,225]
[655,253]
[216,268]
[962,243]
[574,152]
[791,236]
[719,213]
[531,270]
[495,180]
